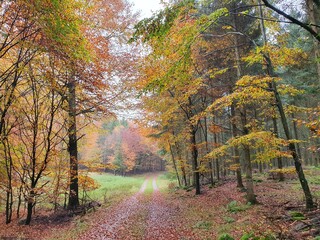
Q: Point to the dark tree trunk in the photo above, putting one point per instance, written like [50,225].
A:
[296,136]
[292,147]
[205,134]
[284,121]
[9,168]
[31,200]
[73,148]
[174,165]
[216,159]
[211,172]
[194,154]
[29,213]
[279,159]
[9,203]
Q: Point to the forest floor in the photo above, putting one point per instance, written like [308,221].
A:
[157,212]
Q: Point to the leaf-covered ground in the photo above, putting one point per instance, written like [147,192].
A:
[152,213]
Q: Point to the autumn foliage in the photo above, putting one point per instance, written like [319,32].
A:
[215,91]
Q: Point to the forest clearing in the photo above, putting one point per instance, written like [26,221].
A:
[199,121]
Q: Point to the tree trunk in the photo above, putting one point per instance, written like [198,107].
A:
[279,159]
[284,121]
[216,159]
[251,197]
[31,200]
[292,148]
[236,149]
[175,165]
[73,148]
[296,136]
[233,112]
[29,213]
[194,154]
[211,173]
[19,202]
[9,203]
[182,166]
[247,162]
[9,168]
[205,133]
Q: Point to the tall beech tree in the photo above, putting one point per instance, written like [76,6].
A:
[88,70]
[284,121]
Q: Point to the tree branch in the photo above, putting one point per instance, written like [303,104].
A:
[293,20]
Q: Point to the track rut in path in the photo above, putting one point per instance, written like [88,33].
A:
[159,223]
[143,216]
[116,218]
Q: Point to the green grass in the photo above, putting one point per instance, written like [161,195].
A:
[235,207]
[149,187]
[164,180]
[206,225]
[114,187]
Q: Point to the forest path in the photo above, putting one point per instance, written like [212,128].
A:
[145,215]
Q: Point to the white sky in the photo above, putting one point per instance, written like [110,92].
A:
[146,6]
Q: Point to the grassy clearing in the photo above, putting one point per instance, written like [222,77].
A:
[164,181]
[113,188]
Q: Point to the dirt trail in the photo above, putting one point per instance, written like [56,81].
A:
[159,225]
[116,218]
[142,216]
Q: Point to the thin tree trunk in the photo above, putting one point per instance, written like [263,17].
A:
[19,202]
[236,150]
[247,162]
[205,133]
[182,165]
[216,159]
[9,196]
[233,112]
[184,176]
[175,165]
[73,148]
[296,136]
[249,180]
[194,154]
[9,206]
[279,159]
[284,121]
[293,150]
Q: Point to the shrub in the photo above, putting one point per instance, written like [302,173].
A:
[229,219]
[203,225]
[297,215]
[225,236]
[235,207]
